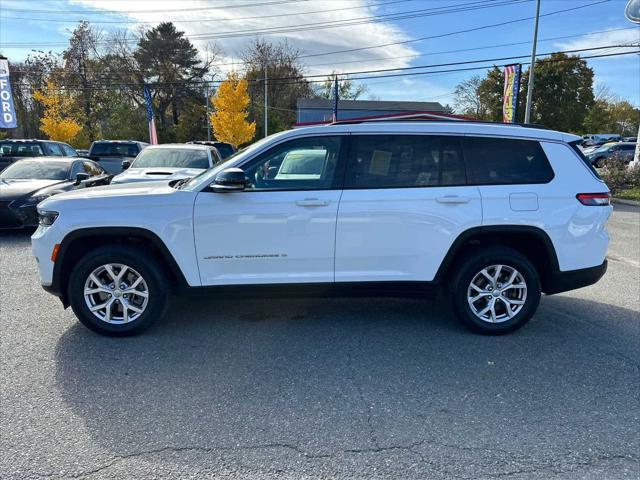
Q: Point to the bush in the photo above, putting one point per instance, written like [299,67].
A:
[619,175]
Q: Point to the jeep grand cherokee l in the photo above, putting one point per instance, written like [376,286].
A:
[494,215]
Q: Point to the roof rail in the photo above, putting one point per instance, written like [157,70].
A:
[437,120]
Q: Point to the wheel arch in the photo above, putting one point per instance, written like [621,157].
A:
[533,242]
[79,242]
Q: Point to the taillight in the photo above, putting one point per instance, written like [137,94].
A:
[594,199]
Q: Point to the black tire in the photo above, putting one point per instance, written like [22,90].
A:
[470,266]
[146,264]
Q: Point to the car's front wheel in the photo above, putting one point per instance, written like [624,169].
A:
[118,290]
[495,291]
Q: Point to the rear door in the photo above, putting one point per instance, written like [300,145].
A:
[404,202]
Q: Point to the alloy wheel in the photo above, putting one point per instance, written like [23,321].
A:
[116,293]
[497,293]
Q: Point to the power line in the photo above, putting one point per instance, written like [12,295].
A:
[475,29]
[100,22]
[474,48]
[310,78]
[326,24]
[172,10]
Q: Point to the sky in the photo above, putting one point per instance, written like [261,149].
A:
[405,33]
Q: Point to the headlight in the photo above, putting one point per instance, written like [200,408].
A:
[46,219]
[35,199]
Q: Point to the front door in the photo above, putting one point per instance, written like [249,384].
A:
[281,229]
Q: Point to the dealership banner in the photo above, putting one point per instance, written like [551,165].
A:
[511,88]
[7,110]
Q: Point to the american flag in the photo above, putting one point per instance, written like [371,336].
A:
[153,136]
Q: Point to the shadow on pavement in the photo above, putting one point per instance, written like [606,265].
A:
[325,377]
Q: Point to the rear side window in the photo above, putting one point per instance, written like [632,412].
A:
[502,161]
[404,161]
[53,149]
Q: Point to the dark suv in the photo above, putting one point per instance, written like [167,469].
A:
[224,149]
[111,153]
[12,149]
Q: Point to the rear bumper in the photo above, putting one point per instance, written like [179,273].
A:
[559,282]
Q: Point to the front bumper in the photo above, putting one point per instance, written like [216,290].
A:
[14,215]
[558,282]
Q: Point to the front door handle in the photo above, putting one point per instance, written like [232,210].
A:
[453,199]
[312,202]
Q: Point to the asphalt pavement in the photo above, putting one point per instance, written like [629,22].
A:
[324,388]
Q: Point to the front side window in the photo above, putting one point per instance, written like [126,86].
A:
[301,164]
[172,158]
[405,161]
[502,161]
[92,168]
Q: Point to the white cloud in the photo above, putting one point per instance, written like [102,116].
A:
[216,21]
[620,37]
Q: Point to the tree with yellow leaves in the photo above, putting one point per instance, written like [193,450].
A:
[229,120]
[56,122]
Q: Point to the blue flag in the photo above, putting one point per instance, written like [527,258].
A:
[153,136]
[7,110]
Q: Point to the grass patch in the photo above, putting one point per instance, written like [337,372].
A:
[629,194]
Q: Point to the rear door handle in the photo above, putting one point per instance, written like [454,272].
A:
[454,199]
[312,202]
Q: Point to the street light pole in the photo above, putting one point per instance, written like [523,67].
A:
[527,112]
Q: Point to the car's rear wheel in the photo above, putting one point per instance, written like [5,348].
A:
[495,291]
[118,290]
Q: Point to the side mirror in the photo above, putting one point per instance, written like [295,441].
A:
[126,164]
[229,180]
[81,177]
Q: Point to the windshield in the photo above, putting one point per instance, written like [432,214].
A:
[20,149]
[114,149]
[37,169]
[172,158]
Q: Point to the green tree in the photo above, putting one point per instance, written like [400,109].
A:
[562,93]
[347,90]
[166,58]
[280,61]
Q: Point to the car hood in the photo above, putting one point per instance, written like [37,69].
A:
[10,189]
[155,173]
[110,193]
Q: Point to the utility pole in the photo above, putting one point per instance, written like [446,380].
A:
[266,102]
[527,112]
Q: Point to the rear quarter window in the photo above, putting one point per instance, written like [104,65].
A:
[574,146]
[506,161]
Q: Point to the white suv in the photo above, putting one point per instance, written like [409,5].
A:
[495,214]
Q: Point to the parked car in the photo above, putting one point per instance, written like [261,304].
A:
[624,150]
[494,215]
[111,153]
[600,139]
[630,139]
[25,183]
[224,149]
[168,162]
[83,153]
[15,149]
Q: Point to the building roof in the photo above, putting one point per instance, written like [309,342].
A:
[325,103]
